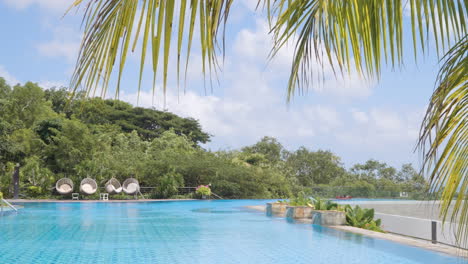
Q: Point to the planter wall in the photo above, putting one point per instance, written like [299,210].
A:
[277,209]
[328,218]
[299,212]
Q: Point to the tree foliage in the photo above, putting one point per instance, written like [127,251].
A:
[102,139]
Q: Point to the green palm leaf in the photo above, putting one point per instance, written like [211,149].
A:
[108,27]
[358,34]
[444,137]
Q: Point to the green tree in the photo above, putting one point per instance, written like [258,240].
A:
[311,168]
[72,144]
[26,105]
[269,147]
[372,170]
[406,173]
[149,123]
[34,174]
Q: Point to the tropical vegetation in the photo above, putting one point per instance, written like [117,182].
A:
[362,218]
[301,200]
[51,137]
[325,205]
[203,190]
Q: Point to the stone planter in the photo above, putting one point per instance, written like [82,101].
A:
[328,218]
[299,212]
[277,209]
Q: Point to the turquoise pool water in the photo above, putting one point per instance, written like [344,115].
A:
[185,232]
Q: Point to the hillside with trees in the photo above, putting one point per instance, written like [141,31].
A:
[51,137]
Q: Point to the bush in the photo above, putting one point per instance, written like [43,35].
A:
[182,196]
[325,205]
[1,195]
[362,218]
[203,190]
[301,200]
[168,185]
[34,191]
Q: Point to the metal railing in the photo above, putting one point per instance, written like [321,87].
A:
[9,205]
[217,196]
[181,191]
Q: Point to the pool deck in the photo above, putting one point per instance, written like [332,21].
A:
[450,250]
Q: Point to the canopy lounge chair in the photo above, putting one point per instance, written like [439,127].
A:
[88,186]
[131,186]
[113,186]
[64,186]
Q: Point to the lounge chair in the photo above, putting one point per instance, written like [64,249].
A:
[88,186]
[64,186]
[113,186]
[131,186]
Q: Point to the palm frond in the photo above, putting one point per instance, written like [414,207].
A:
[359,34]
[444,138]
[112,28]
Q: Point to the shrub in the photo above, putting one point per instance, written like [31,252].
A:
[34,191]
[182,196]
[203,190]
[301,200]
[1,195]
[325,205]
[362,218]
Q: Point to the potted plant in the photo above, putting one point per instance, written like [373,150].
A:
[328,213]
[277,208]
[300,207]
[204,191]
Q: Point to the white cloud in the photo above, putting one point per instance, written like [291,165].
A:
[9,78]
[254,46]
[51,84]
[382,129]
[386,121]
[52,5]
[359,116]
[12,80]
[249,4]
[239,119]
[65,43]
[325,118]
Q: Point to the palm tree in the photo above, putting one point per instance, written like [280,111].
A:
[347,34]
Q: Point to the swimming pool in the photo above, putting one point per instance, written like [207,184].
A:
[220,231]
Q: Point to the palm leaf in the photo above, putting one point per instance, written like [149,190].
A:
[444,137]
[358,34]
[108,27]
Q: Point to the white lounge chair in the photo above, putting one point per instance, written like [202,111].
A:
[88,186]
[64,186]
[131,186]
[113,186]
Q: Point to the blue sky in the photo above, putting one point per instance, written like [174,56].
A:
[356,119]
